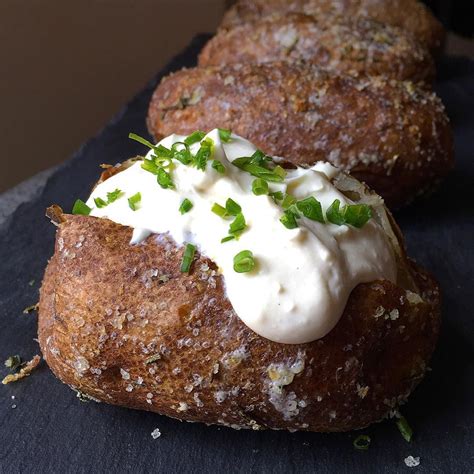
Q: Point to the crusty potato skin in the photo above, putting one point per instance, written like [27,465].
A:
[107,306]
[360,46]
[391,135]
[410,15]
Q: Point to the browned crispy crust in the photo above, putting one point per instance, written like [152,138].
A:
[360,46]
[123,325]
[410,15]
[392,135]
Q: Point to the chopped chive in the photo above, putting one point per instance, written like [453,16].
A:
[227,239]
[188,257]
[244,262]
[224,134]
[232,207]
[134,201]
[258,165]
[150,166]
[195,137]
[259,187]
[219,210]
[311,209]
[279,171]
[288,201]
[114,195]
[405,428]
[237,226]
[81,208]
[218,166]
[362,442]
[204,154]
[163,152]
[277,196]
[164,179]
[288,219]
[13,363]
[141,140]
[334,214]
[183,154]
[99,202]
[357,215]
[186,206]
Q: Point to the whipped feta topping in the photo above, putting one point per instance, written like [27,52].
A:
[302,278]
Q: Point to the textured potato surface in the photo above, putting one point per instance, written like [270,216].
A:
[122,324]
[360,46]
[410,15]
[392,135]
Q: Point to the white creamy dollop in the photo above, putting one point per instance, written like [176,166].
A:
[303,277]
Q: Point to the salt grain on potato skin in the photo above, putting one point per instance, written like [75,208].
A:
[282,386]
[401,141]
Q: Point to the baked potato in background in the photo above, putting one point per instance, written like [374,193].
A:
[360,46]
[392,135]
[410,15]
[122,324]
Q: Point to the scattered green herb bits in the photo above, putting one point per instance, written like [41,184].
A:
[185,206]
[362,442]
[81,208]
[244,262]
[134,201]
[188,257]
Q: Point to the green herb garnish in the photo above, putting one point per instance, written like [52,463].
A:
[114,195]
[362,442]
[195,137]
[244,262]
[204,154]
[288,201]
[134,201]
[183,154]
[311,209]
[13,363]
[277,196]
[218,166]
[227,239]
[188,258]
[288,219]
[232,207]
[259,187]
[81,208]
[99,202]
[356,215]
[224,135]
[111,197]
[404,428]
[186,206]
[261,166]
[141,140]
[237,226]
[164,179]
[219,210]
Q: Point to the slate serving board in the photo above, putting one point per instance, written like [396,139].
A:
[50,430]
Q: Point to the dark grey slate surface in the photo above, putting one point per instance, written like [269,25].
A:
[51,431]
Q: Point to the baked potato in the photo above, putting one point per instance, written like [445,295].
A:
[123,324]
[392,135]
[360,46]
[410,15]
